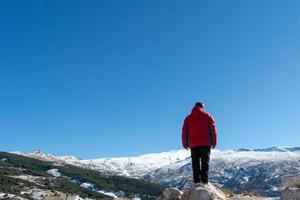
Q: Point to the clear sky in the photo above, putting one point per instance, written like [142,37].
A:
[116,78]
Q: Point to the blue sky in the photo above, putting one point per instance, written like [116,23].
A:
[117,78]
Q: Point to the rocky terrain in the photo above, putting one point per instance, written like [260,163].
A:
[207,192]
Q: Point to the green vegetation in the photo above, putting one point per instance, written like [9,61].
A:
[9,171]
[17,165]
[66,186]
[113,183]
[13,185]
[32,166]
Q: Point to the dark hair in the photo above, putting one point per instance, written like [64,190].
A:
[199,104]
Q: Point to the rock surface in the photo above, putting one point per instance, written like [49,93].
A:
[291,193]
[172,194]
[203,192]
[291,189]
[210,192]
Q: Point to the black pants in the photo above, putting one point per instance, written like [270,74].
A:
[200,173]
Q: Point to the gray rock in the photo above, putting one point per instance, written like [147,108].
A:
[291,193]
[203,192]
[172,194]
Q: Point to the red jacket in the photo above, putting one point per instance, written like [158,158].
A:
[199,129]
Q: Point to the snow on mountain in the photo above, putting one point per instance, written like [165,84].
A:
[128,166]
[140,165]
[239,170]
[263,171]
[137,166]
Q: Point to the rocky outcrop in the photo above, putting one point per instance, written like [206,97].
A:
[209,192]
[203,192]
[291,193]
[172,194]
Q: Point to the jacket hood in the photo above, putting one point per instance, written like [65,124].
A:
[197,110]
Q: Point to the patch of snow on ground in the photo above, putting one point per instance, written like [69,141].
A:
[87,185]
[121,194]
[7,195]
[275,188]
[108,193]
[77,197]
[38,194]
[54,172]
[30,178]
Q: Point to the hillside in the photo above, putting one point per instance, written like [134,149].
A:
[33,179]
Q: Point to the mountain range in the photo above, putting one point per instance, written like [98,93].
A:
[260,171]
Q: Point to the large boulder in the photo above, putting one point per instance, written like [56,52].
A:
[203,192]
[172,194]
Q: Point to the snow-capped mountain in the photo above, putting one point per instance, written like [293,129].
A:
[256,170]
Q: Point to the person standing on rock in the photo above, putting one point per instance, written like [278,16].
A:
[200,135]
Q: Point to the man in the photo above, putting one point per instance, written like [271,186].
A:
[199,133]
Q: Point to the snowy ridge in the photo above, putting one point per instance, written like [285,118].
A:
[239,170]
[129,166]
[141,165]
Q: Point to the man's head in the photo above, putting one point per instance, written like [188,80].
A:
[199,104]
